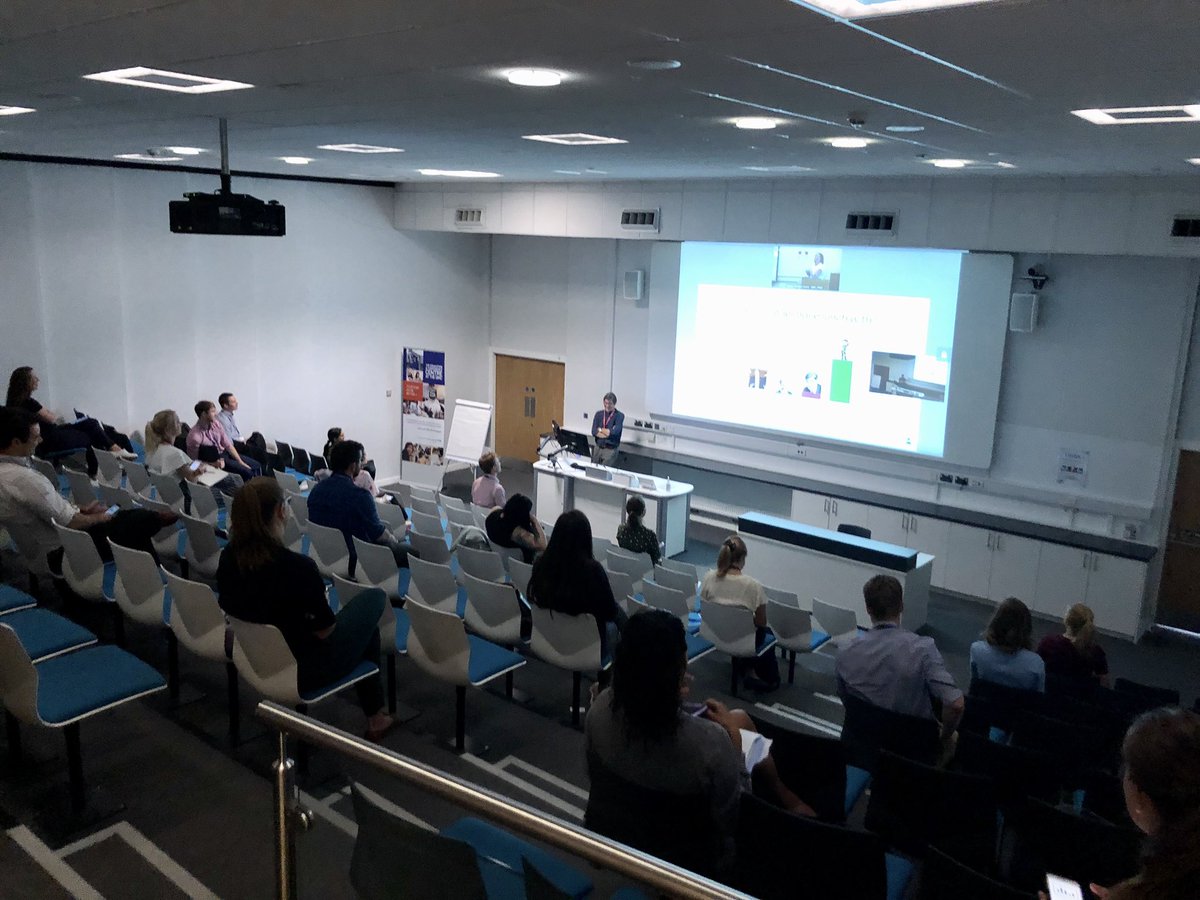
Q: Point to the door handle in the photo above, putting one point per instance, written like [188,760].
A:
[1095,562]
[991,538]
[998,544]
[826,504]
[1086,560]
[912,523]
[904,522]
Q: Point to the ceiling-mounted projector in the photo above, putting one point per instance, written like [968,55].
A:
[224,212]
[227,213]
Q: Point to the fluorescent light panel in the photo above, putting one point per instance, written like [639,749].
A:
[185,151]
[848,143]
[162,80]
[950,163]
[779,169]
[359,148]
[1195,161]
[755,123]
[534,77]
[15,110]
[859,9]
[573,139]
[457,173]
[295,160]
[146,157]
[1140,115]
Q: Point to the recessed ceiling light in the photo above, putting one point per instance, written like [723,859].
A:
[848,143]
[1005,165]
[950,163]
[567,172]
[755,123]
[359,148]
[1139,115]
[573,139]
[185,151]
[15,110]
[534,77]
[857,9]
[162,80]
[904,129]
[1195,162]
[146,157]
[777,169]
[458,173]
[654,65]
[595,172]
[295,160]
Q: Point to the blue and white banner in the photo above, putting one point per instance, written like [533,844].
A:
[423,423]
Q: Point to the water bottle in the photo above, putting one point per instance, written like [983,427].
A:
[668,484]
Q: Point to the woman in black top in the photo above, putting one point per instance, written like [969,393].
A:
[515,526]
[567,578]
[81,435]
[259,580]
[635,536]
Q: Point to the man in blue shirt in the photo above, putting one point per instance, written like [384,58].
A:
[606,429]
[337,502]
[897,669]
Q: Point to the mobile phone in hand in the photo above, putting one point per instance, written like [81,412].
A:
[195,466]
[695,709]
[1061,888]
[112,510]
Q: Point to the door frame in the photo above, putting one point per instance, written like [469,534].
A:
[493,352]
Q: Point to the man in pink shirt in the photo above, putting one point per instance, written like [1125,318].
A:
[487,491]
[208,442]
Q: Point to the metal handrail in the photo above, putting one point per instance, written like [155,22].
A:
[659,875]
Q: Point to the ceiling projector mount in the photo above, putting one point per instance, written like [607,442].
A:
[225,212]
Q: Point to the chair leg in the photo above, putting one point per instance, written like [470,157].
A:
[460,718]
[75,768]
[508,685]
[235,711]
[13,729]
[792,667]
[576,684]
[391,682]
[118,626]
[172,665]
[733,678]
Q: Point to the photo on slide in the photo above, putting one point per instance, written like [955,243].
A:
[908,375]
[813,387]
[810,268]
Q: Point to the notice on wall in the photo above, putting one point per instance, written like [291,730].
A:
[423,424]
[1073,466]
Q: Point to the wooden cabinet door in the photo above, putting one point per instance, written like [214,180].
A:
[529,394]
[1115,590]
[1014,568]
[1062,578]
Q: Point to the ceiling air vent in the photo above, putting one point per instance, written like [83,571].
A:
[1186,227]
[468,218]
[870,221]
[639,219]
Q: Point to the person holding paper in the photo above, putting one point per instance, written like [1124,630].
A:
[606,429]
[162,456]
[641,731]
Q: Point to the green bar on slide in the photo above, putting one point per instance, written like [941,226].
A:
[839,382]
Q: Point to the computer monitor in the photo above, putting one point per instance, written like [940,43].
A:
[574,442]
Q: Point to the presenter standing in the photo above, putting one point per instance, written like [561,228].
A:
[606,429]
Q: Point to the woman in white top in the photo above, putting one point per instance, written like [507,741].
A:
[162,456]
[728,586]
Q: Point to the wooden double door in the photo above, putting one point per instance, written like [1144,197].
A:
[529,394]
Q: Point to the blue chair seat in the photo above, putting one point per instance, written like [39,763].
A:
[766,643]
[819,639]
[488,660]
[44,634]
[110,576]
[693,622]
[899,874]
[461,607]
[500,855]
[12,599]
[363,670]
[697,646]
[402,626]
[857,781]
[64,486]
[76,685]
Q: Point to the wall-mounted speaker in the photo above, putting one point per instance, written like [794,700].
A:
[635,284]
[1023,312]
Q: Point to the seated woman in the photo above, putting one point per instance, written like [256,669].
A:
[260,580]
[515,526]
[633,535]
[1075,655]
[1004,656]
[728,586]
[162,456]
[364,479]
[640,731]
[486,490]
[335,436]
[1161,769]
[83,434]
[567,579]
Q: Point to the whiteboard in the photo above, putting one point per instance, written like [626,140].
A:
[468,431]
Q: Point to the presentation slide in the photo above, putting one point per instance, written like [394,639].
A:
[851,344]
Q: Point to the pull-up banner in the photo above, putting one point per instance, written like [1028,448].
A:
[423,424]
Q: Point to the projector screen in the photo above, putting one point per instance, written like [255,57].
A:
[847,344]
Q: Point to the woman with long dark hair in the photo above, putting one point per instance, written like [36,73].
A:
[515,527]
[1005,655]
[260,580]
[83,434]
[567,578]
[1162,793]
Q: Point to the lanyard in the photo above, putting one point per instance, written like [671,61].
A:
[606,420]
